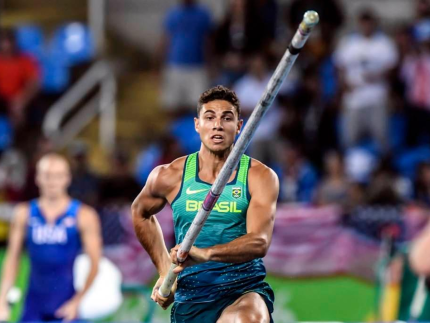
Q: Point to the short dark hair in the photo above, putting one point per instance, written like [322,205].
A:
[219,92]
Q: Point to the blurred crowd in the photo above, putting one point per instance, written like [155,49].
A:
[35,72]
[350,125]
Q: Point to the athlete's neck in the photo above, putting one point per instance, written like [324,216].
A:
[212,162]
[54,201]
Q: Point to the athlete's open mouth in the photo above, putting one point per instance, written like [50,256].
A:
[217,138]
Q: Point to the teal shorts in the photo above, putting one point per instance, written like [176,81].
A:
[210,312]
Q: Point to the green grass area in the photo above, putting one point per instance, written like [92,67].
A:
[339,298]
[21,282]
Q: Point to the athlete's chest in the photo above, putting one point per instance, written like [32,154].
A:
[61,232]
[233,201]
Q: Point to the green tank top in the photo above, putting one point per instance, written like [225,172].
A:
[212,280]
[227,220]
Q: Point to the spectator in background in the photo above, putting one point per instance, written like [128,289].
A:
[183,138]
[382,207]
[364,60]
[19,77]
[184,49]
[386,187]
[299,178]
[84,186]
[248,27]
[119,187]
[422,10]
[230,40]
[415,73]
[264,15]
[356,196]
[249,90]
[404,39]
[116,193]
[308,117]
[334,186]
[6,128]
[422,185]
[165,150]
[13,175]
[291,128]
[318,93]
[397,97]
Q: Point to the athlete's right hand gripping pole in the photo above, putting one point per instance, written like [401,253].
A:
[309,21]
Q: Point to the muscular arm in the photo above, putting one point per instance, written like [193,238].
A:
[264,189]
[420,253]
[89,227]
[149,202]
[11,262]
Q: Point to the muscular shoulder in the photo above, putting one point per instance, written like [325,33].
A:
[260,172]
[165,178]
[262,178]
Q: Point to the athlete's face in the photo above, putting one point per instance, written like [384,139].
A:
[52,177]
[218,125]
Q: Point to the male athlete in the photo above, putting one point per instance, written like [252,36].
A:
[52,228]
[222,278]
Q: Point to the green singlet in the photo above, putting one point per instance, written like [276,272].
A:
[215,281]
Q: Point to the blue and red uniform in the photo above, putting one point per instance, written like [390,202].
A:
[52,249]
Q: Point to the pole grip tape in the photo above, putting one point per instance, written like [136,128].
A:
[293,50]
[210,201]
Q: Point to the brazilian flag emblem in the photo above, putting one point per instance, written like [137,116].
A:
[236,192]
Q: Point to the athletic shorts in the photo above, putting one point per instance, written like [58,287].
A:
[210,312]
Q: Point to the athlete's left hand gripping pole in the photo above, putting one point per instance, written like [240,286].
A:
[309,21]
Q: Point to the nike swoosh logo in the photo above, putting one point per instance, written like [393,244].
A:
[189,191]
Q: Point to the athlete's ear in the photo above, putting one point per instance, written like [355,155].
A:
[196,124]
[239,126]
